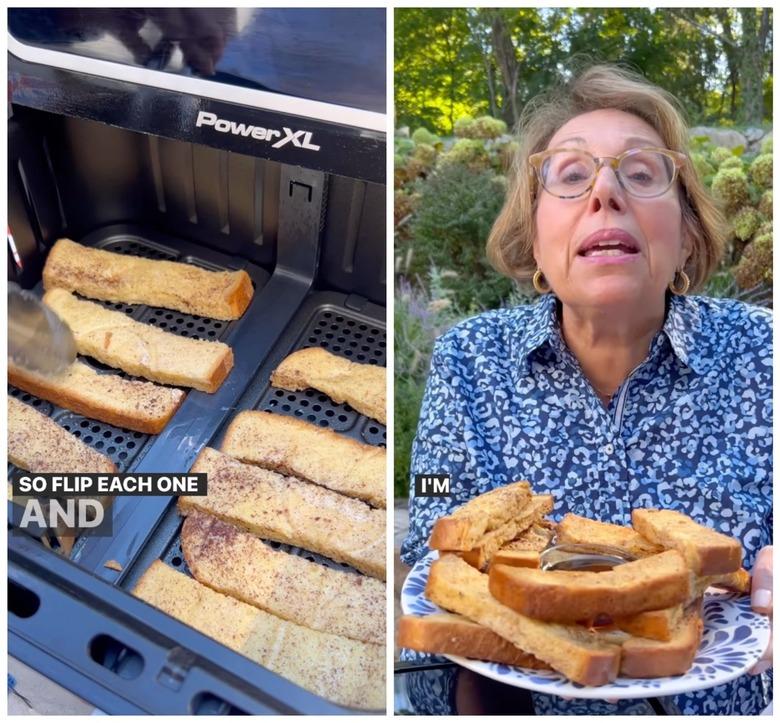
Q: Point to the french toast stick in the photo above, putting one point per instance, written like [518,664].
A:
[293,447]
[289,510]
[342,670]
[362,386]
[109,276]
[238,564]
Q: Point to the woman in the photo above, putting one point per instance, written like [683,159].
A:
[617,389]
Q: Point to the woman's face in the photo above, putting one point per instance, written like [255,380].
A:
[595,278]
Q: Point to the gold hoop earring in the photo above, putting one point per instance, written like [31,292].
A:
[537,282]
[681,289]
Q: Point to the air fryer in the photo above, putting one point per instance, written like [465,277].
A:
[249,139]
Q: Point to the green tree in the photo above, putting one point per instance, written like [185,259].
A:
[467,61]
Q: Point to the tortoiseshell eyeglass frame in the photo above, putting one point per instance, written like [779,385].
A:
[537,159]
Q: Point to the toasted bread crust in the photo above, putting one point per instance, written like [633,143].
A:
[140,349]
[139,406]
[238,564]
[291,511]
[653,624]
[644,658]
[362,386]
[579,654]
[516,558]
[463,529]
[294,447]
[37,443]
[706,551]
[481,555]
[536,538]
[738,581]
[561,596]
[346,671]
[455,635]
[573,529]
[109,276]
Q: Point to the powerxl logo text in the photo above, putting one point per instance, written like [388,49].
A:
[300,139]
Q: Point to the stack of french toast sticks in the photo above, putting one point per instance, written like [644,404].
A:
[38,444]
[638,619]
[277,478]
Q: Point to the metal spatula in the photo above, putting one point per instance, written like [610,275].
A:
[38,339]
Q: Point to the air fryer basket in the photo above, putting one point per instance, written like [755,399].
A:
[147,529]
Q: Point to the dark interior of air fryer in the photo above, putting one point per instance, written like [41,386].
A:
[167,199]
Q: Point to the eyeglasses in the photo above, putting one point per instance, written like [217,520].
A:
[642,172]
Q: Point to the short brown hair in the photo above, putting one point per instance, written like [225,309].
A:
[510,244]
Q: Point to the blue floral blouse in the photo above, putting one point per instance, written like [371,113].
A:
[690,429]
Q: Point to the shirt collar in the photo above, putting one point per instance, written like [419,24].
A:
[683,328]
[529,333]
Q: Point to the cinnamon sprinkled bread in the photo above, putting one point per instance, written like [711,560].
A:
[651,583]
[491,542]
[345,671]
[294,447]
[109,276]
[646,658]
[580,530]
[142,350]
[362,386]
[706,551]
[445,633]
[140,406]
[288,510]
[467,525]
[241,565]
[580,654]
[38,444]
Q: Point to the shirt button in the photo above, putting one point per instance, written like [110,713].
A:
[609,449]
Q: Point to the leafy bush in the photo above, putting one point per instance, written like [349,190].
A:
[746,222]
[467,152]
[462,127]
[730,187]
[403,146]
[405,205]
[761,170]
[720,154]
[423,135]
[456,211]
[765,204]
[755,266]
[703,167]
[731,162]
[421,161]
[484,128]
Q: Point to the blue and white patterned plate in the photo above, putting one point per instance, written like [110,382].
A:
[734,639]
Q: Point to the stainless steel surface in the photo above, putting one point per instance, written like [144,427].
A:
[38,339]
[582,557]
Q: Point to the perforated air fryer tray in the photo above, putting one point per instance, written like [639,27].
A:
[325,320]
[125,447]
[345,325]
